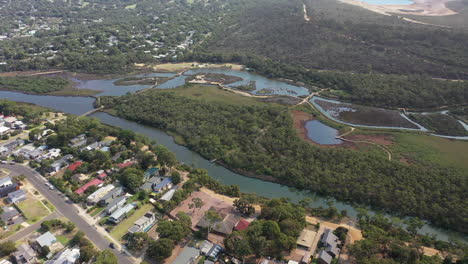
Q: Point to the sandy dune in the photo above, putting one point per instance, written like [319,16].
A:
[419,7]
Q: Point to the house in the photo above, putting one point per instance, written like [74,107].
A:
[9,121]
[242,225]
[11,216]
[4,130]
[46,240]
[115,204]
[187,256]
[110,196]
[223,227]
[68,256]
[25,255]
[98,194]
[124,165]
[4,261]
[144,223]
[34,154]
[7,185]
[83,188]
[17,196]
[306,239]
[330,242]
[157,184]
[121,213]
[77,141]
[59,164]
[150,173]
[101,174]
[168,195]
[324,258]
[306,258]
[75,165]
[210,250]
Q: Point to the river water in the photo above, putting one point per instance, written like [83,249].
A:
[80,105]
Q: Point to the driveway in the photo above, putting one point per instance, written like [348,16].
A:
[65,207]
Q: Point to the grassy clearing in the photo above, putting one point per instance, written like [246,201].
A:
[421,147]
[121,229]
[97,211]
[49,205]
[64,240]
[33,210]
[210,93]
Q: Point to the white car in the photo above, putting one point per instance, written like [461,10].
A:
[4,162]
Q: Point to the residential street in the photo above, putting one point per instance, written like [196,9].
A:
[66,208]
[28,230]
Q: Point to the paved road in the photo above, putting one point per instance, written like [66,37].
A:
[66,208]
[28,230]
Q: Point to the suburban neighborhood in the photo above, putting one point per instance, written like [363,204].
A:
[74,194]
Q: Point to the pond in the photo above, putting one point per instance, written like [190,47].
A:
[321,133]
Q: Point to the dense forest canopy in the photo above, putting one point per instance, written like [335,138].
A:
[260,140]
[343,37]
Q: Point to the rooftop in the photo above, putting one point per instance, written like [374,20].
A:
[46,239]
[83,188]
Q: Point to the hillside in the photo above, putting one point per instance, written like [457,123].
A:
[342,37]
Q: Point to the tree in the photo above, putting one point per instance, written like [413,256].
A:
[175,176]
[212,217]
[244,207]
[196,203]
[161,249]
[137,241]
[106,257]
[7,248]
[132,178]
[237,245]
[165,156]
[174,230]
[414,224]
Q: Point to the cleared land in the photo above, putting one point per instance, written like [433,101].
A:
[33,210]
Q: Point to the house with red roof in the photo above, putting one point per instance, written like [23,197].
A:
[75,165]
[83,188]
[125,164]
[242,225]
[102,176]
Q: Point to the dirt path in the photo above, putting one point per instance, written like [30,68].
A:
[306,17]
[354,233]
[341,137]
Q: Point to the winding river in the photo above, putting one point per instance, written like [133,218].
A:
[80,105]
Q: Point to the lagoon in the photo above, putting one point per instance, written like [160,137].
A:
[321,133]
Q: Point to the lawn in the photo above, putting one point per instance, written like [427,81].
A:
[64,240]
[121,229]
[433,149]
[33,210]
[97,211]
[11,231]
[211,93]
